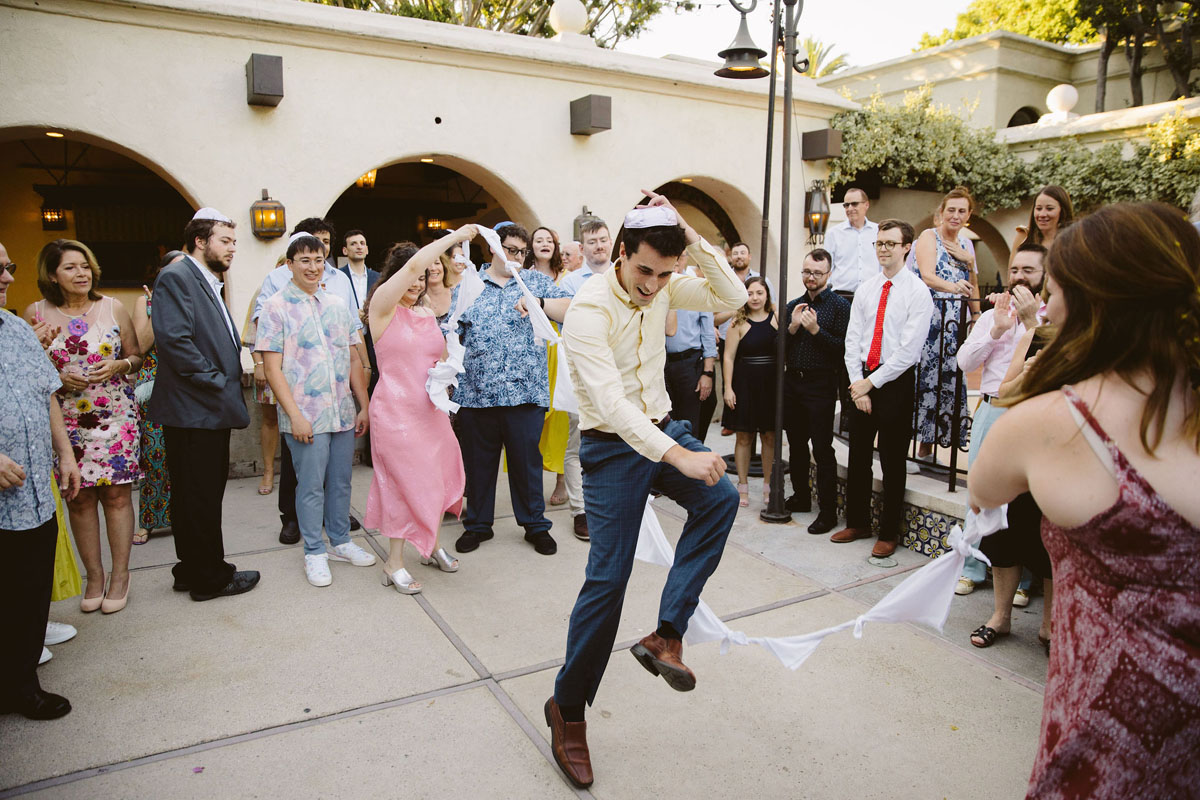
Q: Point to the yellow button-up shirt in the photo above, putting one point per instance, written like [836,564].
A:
[617,349]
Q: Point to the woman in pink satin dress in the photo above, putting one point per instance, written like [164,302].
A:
[1106,435]
[418,465]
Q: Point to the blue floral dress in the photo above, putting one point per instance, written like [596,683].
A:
[936,378]
[101,420]
[154,512]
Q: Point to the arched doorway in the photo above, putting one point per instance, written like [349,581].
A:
[701,211]
[413,201]
[80,187]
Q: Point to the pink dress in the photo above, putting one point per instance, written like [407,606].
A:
[1122,709]
[418,465]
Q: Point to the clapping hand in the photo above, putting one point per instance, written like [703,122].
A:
[1002,319]
[1026,304]
[104,370]
[45,334]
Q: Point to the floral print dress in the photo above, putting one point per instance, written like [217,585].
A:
[101,420]
[154,497]
[938,372]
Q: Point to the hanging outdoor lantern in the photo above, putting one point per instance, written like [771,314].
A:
[54,218]
[816,209]
[267,219]
[742,55]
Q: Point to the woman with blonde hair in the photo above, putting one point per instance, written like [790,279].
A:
[750,382]
[946,262]
[96,352]
[1105,433]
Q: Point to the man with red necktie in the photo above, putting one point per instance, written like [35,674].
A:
[889,322]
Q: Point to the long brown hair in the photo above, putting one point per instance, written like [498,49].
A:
[744,312]
[1129,275]
[1066,211]
[556,264]
[47,265]
[397,256]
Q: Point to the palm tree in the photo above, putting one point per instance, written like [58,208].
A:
[821,61]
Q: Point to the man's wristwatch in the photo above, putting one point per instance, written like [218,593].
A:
[709,373]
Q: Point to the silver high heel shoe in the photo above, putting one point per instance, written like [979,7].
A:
[402,580]
[442,560]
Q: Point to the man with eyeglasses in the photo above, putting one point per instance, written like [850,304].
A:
[816,343]
[889,323]
[852,245]
[504,392]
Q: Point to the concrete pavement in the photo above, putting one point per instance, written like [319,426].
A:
[355,691]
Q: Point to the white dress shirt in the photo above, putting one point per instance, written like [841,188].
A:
[853,251]
[905,325]
[359,283]
[216,284]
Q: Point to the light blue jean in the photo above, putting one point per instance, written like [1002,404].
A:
[974,569]
[323,487]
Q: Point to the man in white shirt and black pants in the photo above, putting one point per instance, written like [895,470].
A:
[889,323]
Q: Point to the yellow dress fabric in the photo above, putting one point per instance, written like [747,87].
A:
[66,572]
[556,428]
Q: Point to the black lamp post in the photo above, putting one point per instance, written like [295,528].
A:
[736,66]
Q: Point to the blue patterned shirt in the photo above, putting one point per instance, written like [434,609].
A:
[503,365]
[29,379]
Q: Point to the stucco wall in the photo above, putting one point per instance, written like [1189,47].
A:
[164,83]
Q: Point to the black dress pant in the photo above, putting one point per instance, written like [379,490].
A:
[482,434]
[682,375]
[709,406]
[809,400]
[25,598]
[891,418]
[287,484]
[198,460]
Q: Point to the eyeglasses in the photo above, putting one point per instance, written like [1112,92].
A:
[887,246]
[854,204]
[10,268]
[516,252]
[808,273]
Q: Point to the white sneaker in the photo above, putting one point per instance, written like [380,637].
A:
[46,656]
[316,569]
[59,632]
[911,467]
[1021,598]
[352,553]
[965,586]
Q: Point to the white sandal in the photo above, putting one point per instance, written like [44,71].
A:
[402,580]
[442,560]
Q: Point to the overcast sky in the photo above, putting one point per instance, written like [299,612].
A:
[868,31]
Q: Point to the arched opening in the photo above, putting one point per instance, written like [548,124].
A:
[1026,115]
[702,212]
[416,200]
[80,187]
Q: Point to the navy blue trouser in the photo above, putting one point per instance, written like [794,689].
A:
[482,432]
[616,483]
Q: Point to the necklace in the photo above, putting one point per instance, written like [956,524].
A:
[77,316]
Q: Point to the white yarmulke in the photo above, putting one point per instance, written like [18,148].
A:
[301,234]
[651,217]
[211,213]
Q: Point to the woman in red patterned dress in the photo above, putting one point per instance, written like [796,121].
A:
[1107,438]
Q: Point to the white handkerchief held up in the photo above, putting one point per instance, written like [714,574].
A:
[444,374]
[924,597]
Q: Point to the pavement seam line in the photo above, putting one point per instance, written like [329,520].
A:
[523,722]
[215,744]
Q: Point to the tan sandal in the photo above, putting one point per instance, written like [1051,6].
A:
[744,495]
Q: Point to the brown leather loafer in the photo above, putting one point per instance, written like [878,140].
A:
[581,528]
[568,742]
[883,549]
[849,535]
[665,657]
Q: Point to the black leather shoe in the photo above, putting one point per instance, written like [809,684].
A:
[823,524]
[470,540]
[355,525]
[798,505]
[543,542]
[290,532]
[240,583]
[39,705]
[181,586]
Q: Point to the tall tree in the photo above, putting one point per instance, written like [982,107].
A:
[609,21]
[1173,30]
[1049,20]
[821,60]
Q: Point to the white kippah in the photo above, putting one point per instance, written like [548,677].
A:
[301,234]
[211,213]
[651,217]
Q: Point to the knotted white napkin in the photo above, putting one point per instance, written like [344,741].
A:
[924,597]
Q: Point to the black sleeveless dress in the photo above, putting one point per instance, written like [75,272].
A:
[754,378]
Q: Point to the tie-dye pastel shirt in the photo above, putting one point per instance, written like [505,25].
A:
[315,334]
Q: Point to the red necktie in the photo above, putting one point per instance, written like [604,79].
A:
[877,339]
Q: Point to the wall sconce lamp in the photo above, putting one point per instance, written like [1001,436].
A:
[267,220]
[54,218]
[816,210]
[435,224]
[367,181]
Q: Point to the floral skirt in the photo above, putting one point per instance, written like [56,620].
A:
[155,499]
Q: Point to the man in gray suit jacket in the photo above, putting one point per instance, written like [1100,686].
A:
[197,399]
